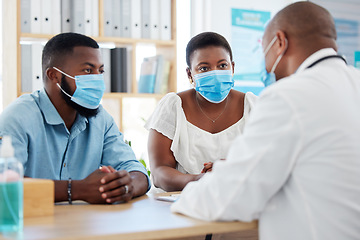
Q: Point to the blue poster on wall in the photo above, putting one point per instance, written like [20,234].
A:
[348,38]
[246,33]
[357,59]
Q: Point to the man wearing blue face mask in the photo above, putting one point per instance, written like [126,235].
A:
[63,133]
[296,168]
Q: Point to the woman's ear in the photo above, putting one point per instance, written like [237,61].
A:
[188,72]
[233,67]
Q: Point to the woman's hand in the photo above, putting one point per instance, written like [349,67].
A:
[208,166]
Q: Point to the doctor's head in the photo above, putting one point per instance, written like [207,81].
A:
[208,51]
[72,72]
[295,33]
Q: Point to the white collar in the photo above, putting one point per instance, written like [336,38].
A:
[316,56]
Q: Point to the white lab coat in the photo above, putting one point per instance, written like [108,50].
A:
[296,168]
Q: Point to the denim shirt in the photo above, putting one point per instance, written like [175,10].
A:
[49,150]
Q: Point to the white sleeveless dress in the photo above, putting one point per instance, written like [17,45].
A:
[192,146]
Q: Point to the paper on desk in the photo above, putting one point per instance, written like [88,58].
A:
[170,198]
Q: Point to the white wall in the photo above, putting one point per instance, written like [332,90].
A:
[183,24]
[215,15]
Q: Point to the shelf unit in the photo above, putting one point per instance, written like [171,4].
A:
[12,55]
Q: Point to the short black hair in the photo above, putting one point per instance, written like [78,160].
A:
[61,45]
[204,40]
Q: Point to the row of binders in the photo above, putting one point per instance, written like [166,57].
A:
[117,69]
[55,16]
[31,71]
[150,19]
[154,72]
[154,75]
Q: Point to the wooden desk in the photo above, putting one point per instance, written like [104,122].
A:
[142,218]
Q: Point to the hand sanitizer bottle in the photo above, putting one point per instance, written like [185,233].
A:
[11,189]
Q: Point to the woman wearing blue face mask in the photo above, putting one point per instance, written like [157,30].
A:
[191,130]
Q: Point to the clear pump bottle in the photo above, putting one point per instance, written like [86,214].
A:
[11,189]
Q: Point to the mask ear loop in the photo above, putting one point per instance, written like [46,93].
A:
[270,45]
[59,84]
[63,73]
[280,57]
[64,91]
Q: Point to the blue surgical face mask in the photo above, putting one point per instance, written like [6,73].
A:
[269,78]
[214,85]
[89,89]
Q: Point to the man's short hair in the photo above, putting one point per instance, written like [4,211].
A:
[62,45]
[204,40]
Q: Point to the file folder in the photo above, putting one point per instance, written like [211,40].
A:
[145,18]
[128,85]
[118,70]
[66,19]
[78,16]
[154,19]
[35,11]
[56,16]
[125,10]
[165,19]
[159,73]
[46,17]
[107,68]
[95,18]
[147,75]
[25,16]
[88,19]
[116,18]
[36,52]
[26,68]
[135,20]
[108,24]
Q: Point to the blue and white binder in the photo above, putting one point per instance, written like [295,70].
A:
[145,18]
[78,16]
[107,68]
[125,10]
[165,19]
[95,18]
[26,68]
[148,75]
[25,9]
[88,19]
[35,13]
[116,18]
[154,19]
[135,20]
[66,16]
[56,16]
[36,72]
[108,21]
[159,74]
[46,17]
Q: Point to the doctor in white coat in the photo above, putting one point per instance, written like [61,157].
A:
[296,168]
